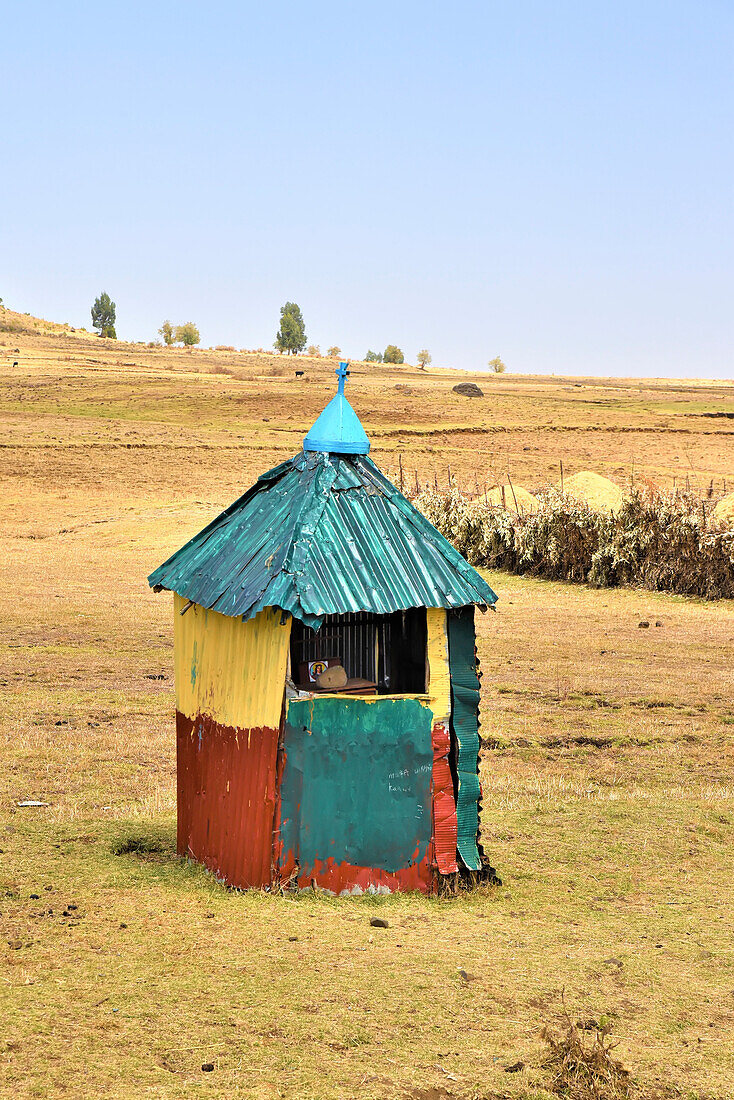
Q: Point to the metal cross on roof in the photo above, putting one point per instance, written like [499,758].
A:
[342,373]
[338,429]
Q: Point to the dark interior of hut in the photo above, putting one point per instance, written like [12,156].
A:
[380,654]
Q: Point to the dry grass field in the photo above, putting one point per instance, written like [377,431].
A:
[608,773]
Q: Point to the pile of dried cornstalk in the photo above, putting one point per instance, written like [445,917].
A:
[665,541]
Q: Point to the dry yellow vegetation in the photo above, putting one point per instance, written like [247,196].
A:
[514,498]
[724,510]
[586,487]
[608,769]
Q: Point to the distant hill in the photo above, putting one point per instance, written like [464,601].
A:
[26,324]
[222,359]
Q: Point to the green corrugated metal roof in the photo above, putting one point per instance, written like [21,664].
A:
[321,534]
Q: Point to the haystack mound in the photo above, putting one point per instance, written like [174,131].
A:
[601,494]
[513,498]
[724,510]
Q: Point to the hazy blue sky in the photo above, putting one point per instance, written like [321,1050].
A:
[551,182]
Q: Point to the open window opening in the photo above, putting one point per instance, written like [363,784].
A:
[380,654]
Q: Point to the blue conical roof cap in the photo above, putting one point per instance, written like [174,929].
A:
[338,428]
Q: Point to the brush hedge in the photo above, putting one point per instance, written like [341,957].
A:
[665,541]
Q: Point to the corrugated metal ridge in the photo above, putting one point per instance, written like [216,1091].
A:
[321,534]
[359,532]
[280,469]
[427,530]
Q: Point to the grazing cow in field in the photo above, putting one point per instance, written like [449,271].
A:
[300,373]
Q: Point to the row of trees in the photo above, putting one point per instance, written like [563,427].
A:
[186,334]
[333,352]
[104,315]
[391,354]
[290,338]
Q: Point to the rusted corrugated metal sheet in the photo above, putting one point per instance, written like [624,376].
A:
[444,806]
[356,796]
[347,878]
[230,683]
[439,686]
[321,534]
[226,798]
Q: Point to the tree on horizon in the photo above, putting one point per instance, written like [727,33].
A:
[292,332]
[393,354]
[104,315]
[187,334]
[424,358]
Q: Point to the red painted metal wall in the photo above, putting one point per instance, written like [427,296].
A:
[226,798]
[444,804]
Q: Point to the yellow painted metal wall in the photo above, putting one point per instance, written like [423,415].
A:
[230,670]
[439,679]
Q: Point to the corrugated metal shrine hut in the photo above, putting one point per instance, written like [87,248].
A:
[327,685]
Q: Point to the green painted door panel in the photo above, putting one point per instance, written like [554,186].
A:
[357,782]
